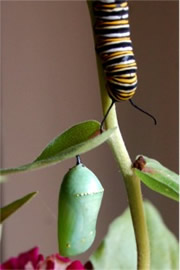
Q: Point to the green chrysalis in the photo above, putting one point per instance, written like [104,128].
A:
[79,203]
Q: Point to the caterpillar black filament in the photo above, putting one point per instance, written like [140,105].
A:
[114,46]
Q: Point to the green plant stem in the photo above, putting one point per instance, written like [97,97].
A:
[132,182]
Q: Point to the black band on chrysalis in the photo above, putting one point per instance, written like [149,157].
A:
[78,160]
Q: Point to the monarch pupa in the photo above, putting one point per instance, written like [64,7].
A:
[79,203]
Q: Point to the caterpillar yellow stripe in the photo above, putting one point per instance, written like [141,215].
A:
[113,44]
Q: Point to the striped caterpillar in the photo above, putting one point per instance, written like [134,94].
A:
[114,46]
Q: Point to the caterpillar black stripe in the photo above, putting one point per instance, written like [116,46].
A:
[114,46]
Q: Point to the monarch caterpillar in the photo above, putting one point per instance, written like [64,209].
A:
[114,46]
[79,202]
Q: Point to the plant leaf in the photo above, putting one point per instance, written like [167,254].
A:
[9,209]
[76,140]
[159,178]
[118,249]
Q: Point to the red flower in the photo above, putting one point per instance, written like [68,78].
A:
[56,262]
[25,261]
[32,260]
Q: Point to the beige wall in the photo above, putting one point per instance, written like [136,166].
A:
[49,82]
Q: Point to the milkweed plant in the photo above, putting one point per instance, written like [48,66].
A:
[131,241]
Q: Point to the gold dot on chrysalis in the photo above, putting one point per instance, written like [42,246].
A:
[68,245]
[83,240]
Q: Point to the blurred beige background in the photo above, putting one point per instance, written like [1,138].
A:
[49,83]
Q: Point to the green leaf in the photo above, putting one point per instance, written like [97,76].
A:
[164,245]
[118,249]
[159,178]
[78,139]
[9,209]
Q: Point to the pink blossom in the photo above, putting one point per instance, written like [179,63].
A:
[32,260]
[25,261]
[56,262]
